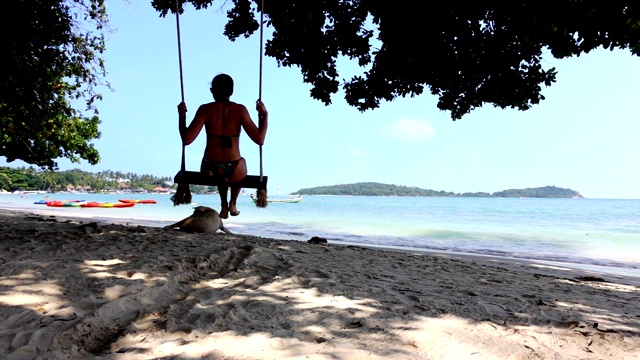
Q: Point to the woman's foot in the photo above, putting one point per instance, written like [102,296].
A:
[224,213]
[234,211]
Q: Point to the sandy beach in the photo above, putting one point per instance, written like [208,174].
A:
[72,288]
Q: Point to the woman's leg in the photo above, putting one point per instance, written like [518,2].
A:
[222,188]
[224,205]
[239,174]
[235,191]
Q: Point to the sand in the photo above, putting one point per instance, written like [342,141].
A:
[72,289]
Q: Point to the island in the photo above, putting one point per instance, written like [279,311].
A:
[378,189]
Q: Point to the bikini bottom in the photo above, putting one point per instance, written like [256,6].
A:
[220,171]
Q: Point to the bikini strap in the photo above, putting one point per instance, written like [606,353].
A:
[226,139]
[223,136]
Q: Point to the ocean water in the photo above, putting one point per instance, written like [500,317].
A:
[589,232]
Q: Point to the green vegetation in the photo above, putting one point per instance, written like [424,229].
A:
[541,192]
[25,179]
[51,71]
[371,189]
[486,52]
[28,179]
[468,54]
[377,189]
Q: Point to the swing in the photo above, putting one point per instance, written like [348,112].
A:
[183,178]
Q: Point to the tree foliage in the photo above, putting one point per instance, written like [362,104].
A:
[541,192]
[22,178]
[51,69]
[378,189]
[371,189]
[466,53]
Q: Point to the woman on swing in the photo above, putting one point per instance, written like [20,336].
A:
[223,120]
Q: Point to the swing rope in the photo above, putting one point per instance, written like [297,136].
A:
[183,193]
[184,178]
[260,72]
[261,194]
[179,49]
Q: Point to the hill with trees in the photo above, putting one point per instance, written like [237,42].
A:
[26,179]
[378,189]
[30,179]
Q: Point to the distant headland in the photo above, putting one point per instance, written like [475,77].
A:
[378,189]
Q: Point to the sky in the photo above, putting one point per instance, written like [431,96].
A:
[585,136]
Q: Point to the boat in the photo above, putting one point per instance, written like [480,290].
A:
[144,201]
[29,192]
[106,204]
[285,200]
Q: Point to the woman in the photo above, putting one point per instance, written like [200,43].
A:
[223,120]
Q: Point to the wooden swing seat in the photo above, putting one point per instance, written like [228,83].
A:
[197,178]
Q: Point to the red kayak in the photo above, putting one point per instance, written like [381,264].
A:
[148,201]
[59,203]
[106,205]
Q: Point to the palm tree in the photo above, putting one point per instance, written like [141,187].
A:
[52,178]
[5,181]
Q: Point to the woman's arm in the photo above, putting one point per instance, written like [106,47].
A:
[189,134]
[257,134]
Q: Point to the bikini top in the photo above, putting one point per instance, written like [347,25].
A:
[225,139]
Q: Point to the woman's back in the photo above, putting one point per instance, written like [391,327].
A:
[222,123]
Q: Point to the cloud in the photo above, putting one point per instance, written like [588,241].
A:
[408,129]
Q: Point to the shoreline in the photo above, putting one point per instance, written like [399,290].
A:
[583,241]
[73,289]
[548,268]
[615,274]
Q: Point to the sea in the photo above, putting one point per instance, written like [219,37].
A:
[595,234]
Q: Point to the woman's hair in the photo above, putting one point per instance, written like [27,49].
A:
[222,87]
